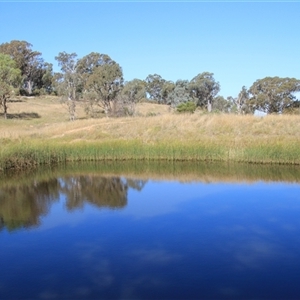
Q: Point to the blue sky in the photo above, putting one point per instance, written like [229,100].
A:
[239,42]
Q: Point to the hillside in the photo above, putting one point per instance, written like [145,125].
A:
[41,122]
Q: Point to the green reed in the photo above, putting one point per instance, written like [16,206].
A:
[28,153]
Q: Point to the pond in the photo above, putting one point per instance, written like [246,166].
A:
[151,231]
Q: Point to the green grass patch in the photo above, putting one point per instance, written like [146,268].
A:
[29,153]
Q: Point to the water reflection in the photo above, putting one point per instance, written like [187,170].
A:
[22,205]
[126,238]
[101,192]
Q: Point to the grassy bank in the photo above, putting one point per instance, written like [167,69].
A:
[27,153]
[154,134]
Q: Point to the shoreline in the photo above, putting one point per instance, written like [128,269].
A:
[27,154]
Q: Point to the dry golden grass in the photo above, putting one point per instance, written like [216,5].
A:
[153,123]
[151,109]
[48,117]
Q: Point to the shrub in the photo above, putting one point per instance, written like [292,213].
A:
[187,107]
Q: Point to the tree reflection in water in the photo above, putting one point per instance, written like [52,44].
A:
[21,206]
[102,192]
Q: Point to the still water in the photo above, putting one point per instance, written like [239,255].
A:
[226,234]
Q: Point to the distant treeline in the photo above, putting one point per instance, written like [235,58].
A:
[96,80]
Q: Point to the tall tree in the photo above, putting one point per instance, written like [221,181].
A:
[241,100]
[239,104]
[87,64]
[135,90]
[179,94]
[132,93]
[57,84]
[167,88]
[69,80]
[10,77]
[203,89]
[154,87]
[30,63]
[105,83]
[274,94]
[47,78]
[220,104]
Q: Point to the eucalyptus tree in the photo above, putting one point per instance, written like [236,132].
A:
[240,103]
[87,64]
[57,84]
[274,94]
[154,87]
[180,94]
[222,105]
[104,84]
[133,92]
[203,89]
[158,89]
[10,77]
[69,80]
[30,62]
[101,82]
[241,100]
[167,88]
[47,78]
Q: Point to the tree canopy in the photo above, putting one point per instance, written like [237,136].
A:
[203,89]
[154,87]
[68,80]
[105,81]
[180,93]
[274,94]
[32,66]
[133,92]
[9,79]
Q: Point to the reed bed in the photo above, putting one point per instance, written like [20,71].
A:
[26,154]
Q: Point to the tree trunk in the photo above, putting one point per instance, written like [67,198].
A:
[72,108]
[29,87]
[4,107]
[107,111]
[72,103]
[209,105]
[107,107]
